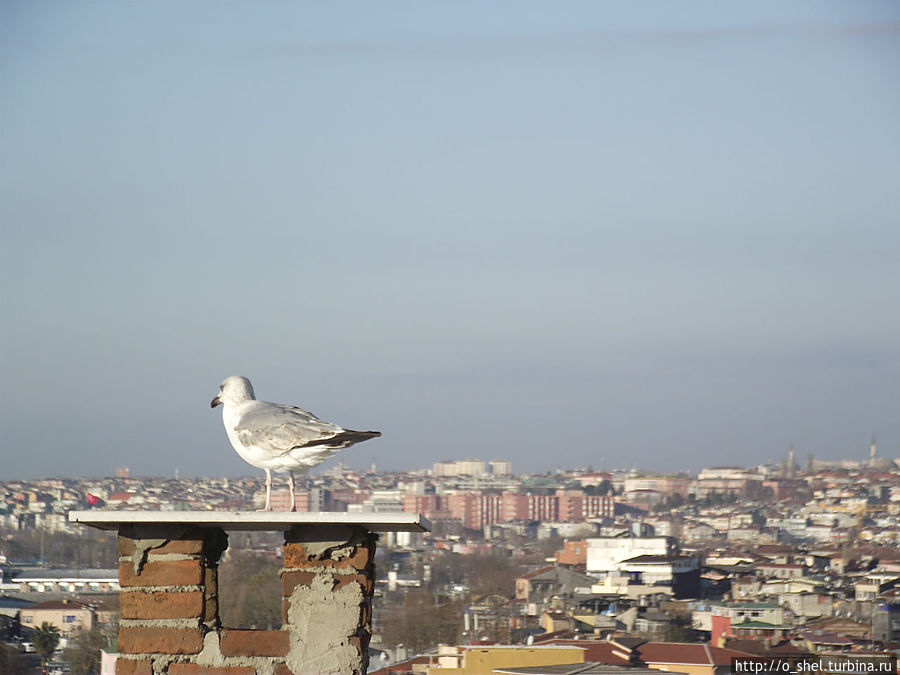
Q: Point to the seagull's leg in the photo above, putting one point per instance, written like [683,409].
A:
[268,490]
[293,503]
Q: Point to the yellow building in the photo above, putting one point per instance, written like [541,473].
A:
[483,660]
[67,615]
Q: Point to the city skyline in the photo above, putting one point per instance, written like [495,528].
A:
[599,234]
[776,466]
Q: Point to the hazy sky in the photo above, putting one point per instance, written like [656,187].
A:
[662,235]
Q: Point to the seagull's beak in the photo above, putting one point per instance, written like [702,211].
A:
[216,401]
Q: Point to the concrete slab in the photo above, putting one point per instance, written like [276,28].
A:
[261,521]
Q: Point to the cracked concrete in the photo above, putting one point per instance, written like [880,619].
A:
[147,538]
[320,640]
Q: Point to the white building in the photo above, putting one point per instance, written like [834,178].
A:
[460,467]
[380,501]
[605,553]
[728,473]
[41,580]
[500,467]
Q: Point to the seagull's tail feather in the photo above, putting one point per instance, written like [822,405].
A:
[346,438]
[358,436]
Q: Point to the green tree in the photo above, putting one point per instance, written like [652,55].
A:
[603,488]
[715,499]
[675,501]
[45,640]
[83,651]
[680,633]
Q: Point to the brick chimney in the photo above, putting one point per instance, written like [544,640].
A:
[168,573]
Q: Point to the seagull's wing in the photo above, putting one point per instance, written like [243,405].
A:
[278,429]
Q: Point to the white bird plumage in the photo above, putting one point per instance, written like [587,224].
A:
[275,437]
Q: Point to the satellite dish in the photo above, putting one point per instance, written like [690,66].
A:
[530,640]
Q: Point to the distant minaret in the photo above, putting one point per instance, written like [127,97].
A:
[872,452]
[792,463]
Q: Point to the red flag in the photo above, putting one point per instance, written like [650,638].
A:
[93,500]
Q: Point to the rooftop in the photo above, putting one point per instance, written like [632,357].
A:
[587,668]
[69,574]
[659,559]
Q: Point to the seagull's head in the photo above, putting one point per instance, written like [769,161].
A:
[233,390]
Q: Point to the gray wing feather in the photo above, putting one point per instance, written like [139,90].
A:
[279,429]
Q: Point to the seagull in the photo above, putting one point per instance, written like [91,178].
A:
[275,437]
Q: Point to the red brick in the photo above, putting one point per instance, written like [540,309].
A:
[194,669]
[290,580]
[128,667]
[162,573]
[137,605]
[361,642]
[296,555]
[254,642]
[182,546]
[159,640]
[366,583]
[283,670]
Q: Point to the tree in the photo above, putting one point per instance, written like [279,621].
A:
[679,633]
[675,501]
[86,549]
[420,621]
[11,662]
[249,591]
[490,573]
[83,651]
[45,640]
[603,488]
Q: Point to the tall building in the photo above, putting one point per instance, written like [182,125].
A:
[460,467]
[501,467]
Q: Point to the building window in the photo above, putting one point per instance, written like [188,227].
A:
[69,618]
[28,619]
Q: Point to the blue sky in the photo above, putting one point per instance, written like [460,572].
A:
[661,235]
